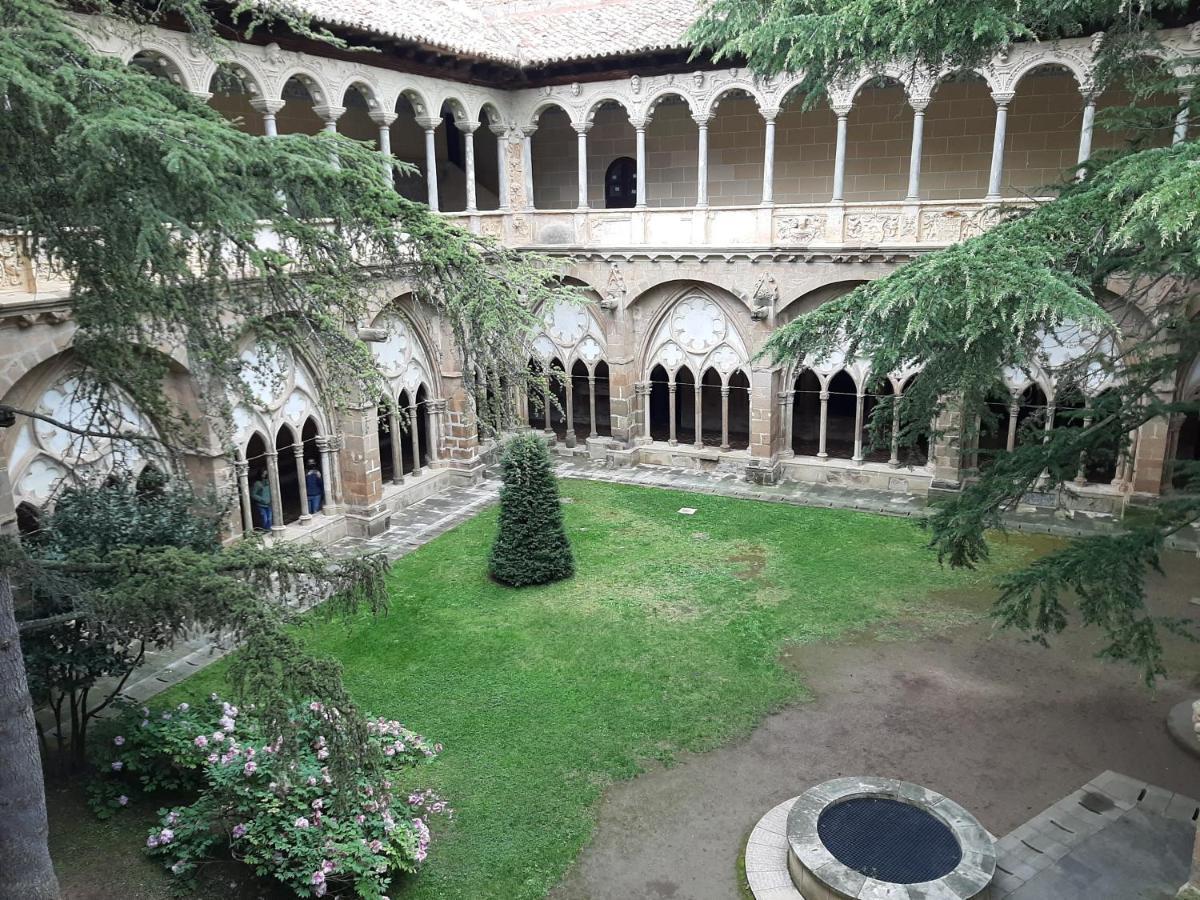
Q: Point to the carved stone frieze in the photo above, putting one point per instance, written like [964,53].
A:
[802,229]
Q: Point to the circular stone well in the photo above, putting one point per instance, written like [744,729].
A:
[862,838]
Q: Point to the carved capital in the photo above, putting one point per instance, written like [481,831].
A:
[582,127]
[429,123]
[382,118]
[769,113]
[702,120]
[1003,98]
[841,110]
[328,113]
[267,107]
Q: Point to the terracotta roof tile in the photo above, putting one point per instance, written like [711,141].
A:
[520,32]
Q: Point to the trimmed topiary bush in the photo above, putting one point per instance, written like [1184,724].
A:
[532,546]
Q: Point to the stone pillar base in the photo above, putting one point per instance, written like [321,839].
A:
[367,522]
[763,471]
[597,448]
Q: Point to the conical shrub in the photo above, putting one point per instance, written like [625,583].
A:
[531,546]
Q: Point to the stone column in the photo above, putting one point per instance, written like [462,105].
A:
[1085,129]
[918,138]
[699,415]
[268,108]
[430,125]
[329,115]
[644,389]
[338,494]
[894,458]
[413,420]
[1180,135]
[997,171]
[569,408]
[243,480]
[593,433]
[384,120]
[640,136]
[839,158]
[527,165]
[298,450]
[323,450]
[433,431]
[859,404]
[581,130]
[824,397]
[787,412]
[397,446]
[671,390]
[1014,410]
[546,408]
[724,417]
[468,129]
[276,496]
[768,188]
[702,161]
[501,133]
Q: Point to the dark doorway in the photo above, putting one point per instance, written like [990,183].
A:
[620,184]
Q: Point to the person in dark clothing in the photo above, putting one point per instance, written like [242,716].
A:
[315,488]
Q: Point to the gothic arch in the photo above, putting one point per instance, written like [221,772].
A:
[692,322]
[317,91]
[42,458]
[406,357]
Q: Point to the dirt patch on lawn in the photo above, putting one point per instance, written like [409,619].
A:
[1001,725]
[751,560]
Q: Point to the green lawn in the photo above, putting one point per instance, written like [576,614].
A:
[667,639]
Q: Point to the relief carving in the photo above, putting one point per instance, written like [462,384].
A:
[941,227]
[980,221]
[14,265]
[800,229]
[874,228]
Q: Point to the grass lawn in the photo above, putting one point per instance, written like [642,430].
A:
[667,639]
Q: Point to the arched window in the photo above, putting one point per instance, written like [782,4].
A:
[620,184]
[660,404]
[806,414]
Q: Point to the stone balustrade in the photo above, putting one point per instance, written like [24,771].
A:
[829,226]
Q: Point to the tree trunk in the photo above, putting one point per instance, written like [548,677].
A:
[26,872]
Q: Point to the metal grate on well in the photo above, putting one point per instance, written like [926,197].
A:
[889,840]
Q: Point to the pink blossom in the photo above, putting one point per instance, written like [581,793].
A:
[250,768]
[166,836]
[201,742]
[318,877]
[376,846]
[119,740]
[122,800]
[302,822]
[212,758]
[183,707]
[218,736]
[239,831]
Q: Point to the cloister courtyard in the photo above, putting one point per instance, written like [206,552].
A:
[617,735]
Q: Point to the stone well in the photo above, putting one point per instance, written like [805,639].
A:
[864,838]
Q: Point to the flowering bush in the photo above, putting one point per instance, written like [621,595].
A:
[289,819]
